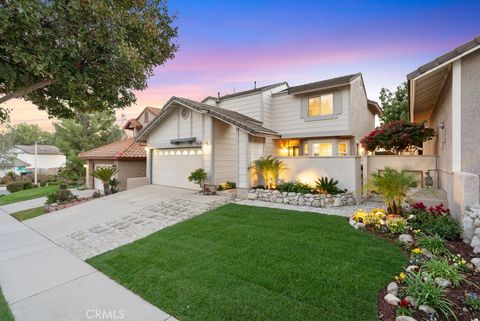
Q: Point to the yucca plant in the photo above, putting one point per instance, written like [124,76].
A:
[269,168]
[327,186]
[393,185]
[105,174]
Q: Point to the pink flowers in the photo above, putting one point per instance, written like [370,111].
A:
[404,303]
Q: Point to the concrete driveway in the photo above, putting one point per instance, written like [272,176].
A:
[103,224]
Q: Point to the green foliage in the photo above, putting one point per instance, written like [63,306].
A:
[327,186]
[393,185]
[84,132]
[198,176]
[62,196]
[433,244]
[88,55]
[394,104]
[441,268]
[397,225]
[295,187]
[441,224]
[268,168]
[105,174]
[472,301]
[16,186]
[114,182]
[5,312]
[397,136]
[6,149]
[226,186]
[27,134]
[426,292]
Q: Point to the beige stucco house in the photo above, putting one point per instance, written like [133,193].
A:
[446,94]
[304,125]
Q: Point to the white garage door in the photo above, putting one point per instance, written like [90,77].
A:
[171,167]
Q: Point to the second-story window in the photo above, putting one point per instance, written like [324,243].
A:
[320,105]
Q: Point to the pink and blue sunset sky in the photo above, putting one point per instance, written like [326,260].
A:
[227,45]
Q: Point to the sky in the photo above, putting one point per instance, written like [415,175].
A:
[227,45]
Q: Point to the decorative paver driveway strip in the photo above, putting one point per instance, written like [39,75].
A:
[140,223]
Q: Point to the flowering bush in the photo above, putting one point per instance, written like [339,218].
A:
[378,219]
[434,221]
[396,224]
[397,136]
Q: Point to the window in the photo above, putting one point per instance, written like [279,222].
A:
[289,148]
[342,149]
[321,105]
[305,149]
[322,149]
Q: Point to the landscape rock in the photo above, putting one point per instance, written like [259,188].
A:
[252,196]
[475,244]
[392,288]
[476,263]
[404,318]
[443,283]
[412,301]
[359,226]
[391,299]
[337,202]
[412,268]
[427,309]
[405,238]
[351,201]
[468,228]
[352,222]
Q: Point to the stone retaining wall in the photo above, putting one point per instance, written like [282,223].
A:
[314,200]
[55,207]
[471,227]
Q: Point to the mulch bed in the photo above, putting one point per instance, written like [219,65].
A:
[386,311]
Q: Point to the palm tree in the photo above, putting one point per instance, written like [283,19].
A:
[269,168]
[105,174]
[393,185]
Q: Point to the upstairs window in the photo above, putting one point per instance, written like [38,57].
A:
[320,105]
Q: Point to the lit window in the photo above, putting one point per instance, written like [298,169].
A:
[321,105]
[305,150]
[322,149]
[342,149]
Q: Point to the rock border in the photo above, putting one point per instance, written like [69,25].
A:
[55,206]
[299,199]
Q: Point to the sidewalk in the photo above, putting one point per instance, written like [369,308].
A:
[37,202]
[43,282]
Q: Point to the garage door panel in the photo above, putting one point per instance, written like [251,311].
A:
[171,167]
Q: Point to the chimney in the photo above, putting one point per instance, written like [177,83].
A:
[255,84]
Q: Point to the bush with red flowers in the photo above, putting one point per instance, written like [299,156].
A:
[397,136]
[436,220]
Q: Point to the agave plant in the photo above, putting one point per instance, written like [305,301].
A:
[105,174]
[327,186]
[393,185]
[269,168]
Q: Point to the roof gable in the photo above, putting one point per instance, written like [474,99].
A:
[41,149]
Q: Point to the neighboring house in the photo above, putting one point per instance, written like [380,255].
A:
[17,166]
[127,155]
[446,94]
[49,158]
[301,124]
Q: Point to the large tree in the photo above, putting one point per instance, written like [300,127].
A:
[84,132]
[7,155]
[26,134]
[394,104]
[75,56]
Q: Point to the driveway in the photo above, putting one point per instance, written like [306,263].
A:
[103,224]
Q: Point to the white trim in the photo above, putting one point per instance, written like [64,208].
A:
[457,116]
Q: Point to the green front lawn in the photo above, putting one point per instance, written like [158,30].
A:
[5,314]
[252,263]
[27,194]
[28,214]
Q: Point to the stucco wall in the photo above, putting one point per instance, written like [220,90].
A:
[129,169]
[470,97]
[307,169]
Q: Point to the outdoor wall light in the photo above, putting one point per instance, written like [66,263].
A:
[441,125]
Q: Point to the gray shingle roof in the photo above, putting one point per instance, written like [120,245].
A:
[328,83]
[445,57]
[41,149]
[244,122]
[246,92]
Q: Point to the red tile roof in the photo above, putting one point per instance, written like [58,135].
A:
[133,123]
[122,149]
[153,110]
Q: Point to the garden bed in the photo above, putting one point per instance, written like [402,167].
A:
[301,199]
[56,206]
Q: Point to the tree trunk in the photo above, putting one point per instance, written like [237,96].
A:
[106,188]
[26,90]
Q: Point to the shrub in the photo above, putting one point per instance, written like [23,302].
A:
[434,221]
[396,225]
[198,176]
[295,187]
[96,194]
[114,182]
[433,244]
[35,186]
[62,196]
[397,136]
[27,184]
[226,186]
[393,185]
[13,187]
[426,292]
[269,168]
[442,269]
[43,183]
[105,174]
[327,186]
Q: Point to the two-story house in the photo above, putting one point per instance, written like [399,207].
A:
[314,128]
